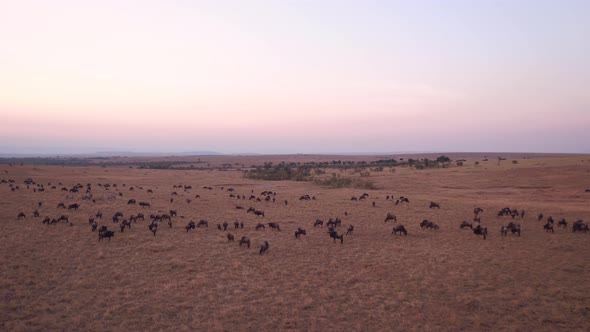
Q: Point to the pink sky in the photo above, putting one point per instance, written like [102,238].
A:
[294,76]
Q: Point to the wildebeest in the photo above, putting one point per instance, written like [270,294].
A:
[61,205]
[140,216]
[153,227]
[260,226]
[63,218]
[203,222]
[349,230]
[401,229]
[36,214]
[94,225]
[225,224]
[580,226]
[465,224]
[390,216]
[540,217]
[548,227]
[264,248]
[230,237]
[236,225]
[245,240]
[21,215]
[561,223]
[273,226]
[173,213]
[514,228]
[428,224]
[434,205]
[334,235]
[479,230]
[145,204]
[131,202]
[477,211]
[98,215]
[299,232]
[106,234]
[190,225]
[318,223]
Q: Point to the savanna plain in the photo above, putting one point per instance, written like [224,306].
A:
[61,277]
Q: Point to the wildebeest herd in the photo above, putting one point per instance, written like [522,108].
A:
[333,223]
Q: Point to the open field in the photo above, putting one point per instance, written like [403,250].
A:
[59,277]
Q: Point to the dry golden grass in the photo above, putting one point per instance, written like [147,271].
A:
[61,278]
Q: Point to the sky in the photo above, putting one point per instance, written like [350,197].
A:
[294,76]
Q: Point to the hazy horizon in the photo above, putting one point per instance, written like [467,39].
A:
[279,77]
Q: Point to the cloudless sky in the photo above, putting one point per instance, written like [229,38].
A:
[294,76]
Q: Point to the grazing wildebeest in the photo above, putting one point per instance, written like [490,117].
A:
[250,209]
[514,228]
[61,205]
[259,213]
[153,227]
[239,207]
[318,223]
[403,199]
[273,226]
[580,226]
[190,225]
[264,248]
[94,225]
[63,218]
[245,240]
[353,198]
[349,230]
[173,213]
[236,225]
[465,224]
[36,214]
[98,215]
[434,205]
[428,224]
[21,215]
[230,237]
[131,202]
[334,235]
[540,217]
[390,216]
[401,229]
[550,219]
[479,230]
[477,211]
[140,216]
[145,204]
[260,226]
[561,223]
[548,227]
[203,222]
[106,234]
[477,219]
[299,232]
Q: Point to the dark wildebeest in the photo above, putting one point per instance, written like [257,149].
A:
[434,205]
[94,225]
[540,217]
[105,234]
[63,219]
[514,228]
[273,226]
[98,215]
[465,224]
[548,227]
[61,205]
[428,224]
[131,202]
[349,230]
[236,225]
[153,227]
[203,222]
[353,198]
[401,229]
[390,216]
[260,226]
[21,215]
[259,213]
[264,248]
[225,224]
[173,213]
[74,206]
[477,211]
[145,204]
[561,223]
[580,226]
[190,225]
[140,216]
[479,230]
[36,214]
[230,237]
[477,219]
[334,235]
[245,240]
[299,232]
[318,223]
